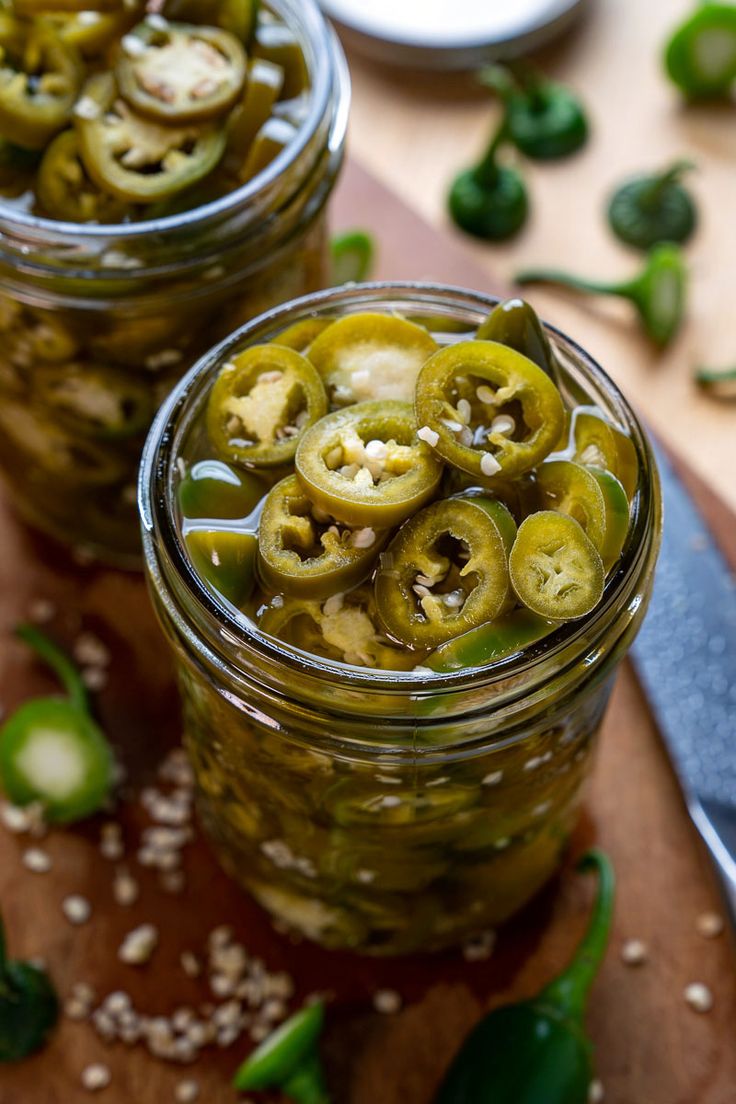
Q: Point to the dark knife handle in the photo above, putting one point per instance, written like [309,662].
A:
[717,825]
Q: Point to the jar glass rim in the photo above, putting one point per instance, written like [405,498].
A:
[326,71]
[158,521]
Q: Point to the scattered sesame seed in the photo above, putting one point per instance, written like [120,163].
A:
[81,991]
[76,1010]
[90,651]
[489,465]
[492,778]
[190,964]
[429,436]
[42,610]
[76,909]
[125,888]
[709,925]
[36,860]
[138,945]
[94,678]
[117,1002]
[698,996]
[387,1001]
[596,1092]
[634,952]
[186,1092]
[96,1077]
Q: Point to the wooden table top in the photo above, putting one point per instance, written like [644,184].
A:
[414,132]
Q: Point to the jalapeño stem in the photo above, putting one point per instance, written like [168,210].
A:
[59,663]
[569,992]
[661,181]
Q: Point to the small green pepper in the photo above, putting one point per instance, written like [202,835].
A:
[544,119]
[353,254]
[490,200]
[653,207]
[658,292]
[288,1060]
[537,1052]
[29,1007]
[40,77]
[51,750]
[515,323]
[700,57]
[719,382]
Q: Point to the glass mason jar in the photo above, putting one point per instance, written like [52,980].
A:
[376,810]
[97,322]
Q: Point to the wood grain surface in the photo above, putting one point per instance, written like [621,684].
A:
[415,131]
[651,1048]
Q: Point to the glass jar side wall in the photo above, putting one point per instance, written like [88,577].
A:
[386,858]
[79,388]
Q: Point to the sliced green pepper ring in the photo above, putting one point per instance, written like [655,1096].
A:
[65,190]
[487,409]
[212,489]
[226,560]
[301,335]
[571,489]
[617,515]
[134,158]
[506,636]
[445,572]
[360,803]
[61,455]
[262,90]
[276,43]
[91,32]
[273,137]
[95,401]
[305,552]
[346,631]
[556,570]
[262,404]
[365,465]
[40,76]
[601,445]
[180,73]
[371,356]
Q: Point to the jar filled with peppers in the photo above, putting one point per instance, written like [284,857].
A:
[165,167]
[399,537]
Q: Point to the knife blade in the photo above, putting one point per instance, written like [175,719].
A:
[685,656]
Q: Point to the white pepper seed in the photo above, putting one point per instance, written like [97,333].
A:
[36,860]
[429,436]
[489,465]
[138,945]
[387,1001]
[709,925]
[596,1092]
[634,952]
[186,1092]
[698,996]
[96,1077]
[76,909]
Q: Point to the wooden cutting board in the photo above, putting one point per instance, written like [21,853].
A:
[651,1048]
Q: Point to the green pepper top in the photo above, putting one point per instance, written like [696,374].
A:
[29,1007]
[130,115]
[426,498]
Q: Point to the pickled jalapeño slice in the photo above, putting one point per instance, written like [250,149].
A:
[556,570]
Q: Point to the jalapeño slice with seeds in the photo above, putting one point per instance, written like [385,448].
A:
[366,466]
[446,571]
[489,409]
[262,404]
[304,551]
